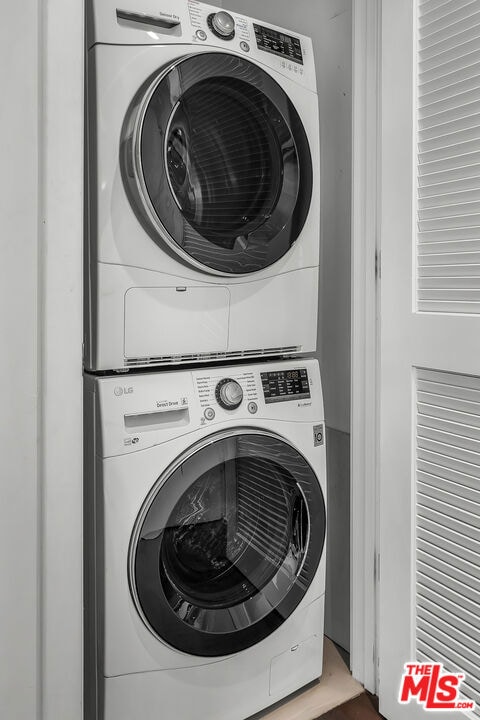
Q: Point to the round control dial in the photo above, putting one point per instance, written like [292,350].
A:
[229,394]
[222,24]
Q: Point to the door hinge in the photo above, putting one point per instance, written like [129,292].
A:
[378,264]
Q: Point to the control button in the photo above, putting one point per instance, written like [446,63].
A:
[201,34]
[245,46]
[229,394]
[252,407]
[223,23]
[209,413]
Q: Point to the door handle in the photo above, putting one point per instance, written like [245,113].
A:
[143,19]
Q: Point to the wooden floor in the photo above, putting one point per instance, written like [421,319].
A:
[363,707]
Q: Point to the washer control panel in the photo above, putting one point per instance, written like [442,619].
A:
[138,411]
[227,391]
[281,385]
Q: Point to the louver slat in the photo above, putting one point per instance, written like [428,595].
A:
[449,176]
[428,71]
[449,90]
[448,157]
[447,522]
[449,234]
[450,37]
[441,6]
[433,248]
[466,30]
[438,9]
[448,198]
[449,80]
[447,188]
[455,14]
[448,151]
[439,114]
[449,590]
[458,56]
[451,130]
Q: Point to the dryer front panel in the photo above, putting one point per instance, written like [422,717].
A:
[227,543]
[217,163]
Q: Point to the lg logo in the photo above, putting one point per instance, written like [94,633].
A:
[118,391]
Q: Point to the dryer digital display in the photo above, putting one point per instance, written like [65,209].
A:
[285,385]
[278,43]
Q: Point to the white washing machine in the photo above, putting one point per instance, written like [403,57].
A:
[203,186]
[205,540]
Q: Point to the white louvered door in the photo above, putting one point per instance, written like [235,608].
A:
[448,161]
[429,597]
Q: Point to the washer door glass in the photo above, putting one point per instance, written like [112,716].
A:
[227,544]
[222,163]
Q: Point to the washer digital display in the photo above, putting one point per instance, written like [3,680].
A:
[282,385]
[278,43]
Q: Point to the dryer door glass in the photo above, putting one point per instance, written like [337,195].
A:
[227,544]
[222,165]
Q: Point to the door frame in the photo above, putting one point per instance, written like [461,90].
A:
[364,554]
[60,324]
[42,388]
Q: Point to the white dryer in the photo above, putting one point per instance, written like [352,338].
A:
[205,540]
[203,186]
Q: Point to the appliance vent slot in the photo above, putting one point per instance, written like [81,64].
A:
[447,524]
[448,158]
[203,357]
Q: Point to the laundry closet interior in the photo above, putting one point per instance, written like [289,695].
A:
[240,398]
[210,357]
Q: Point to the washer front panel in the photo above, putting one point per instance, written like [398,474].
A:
[222,167]
[225,548]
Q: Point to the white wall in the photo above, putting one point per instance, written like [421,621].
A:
[19,509]
[41,361]
[329,24]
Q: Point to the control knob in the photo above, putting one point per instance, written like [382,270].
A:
[222,24]
[229,394]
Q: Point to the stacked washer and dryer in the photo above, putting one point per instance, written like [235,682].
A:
[204,435]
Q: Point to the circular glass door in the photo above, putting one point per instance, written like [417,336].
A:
[221,163]
[227,543]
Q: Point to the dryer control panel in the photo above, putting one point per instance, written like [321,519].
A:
[278,43]
[199,26]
